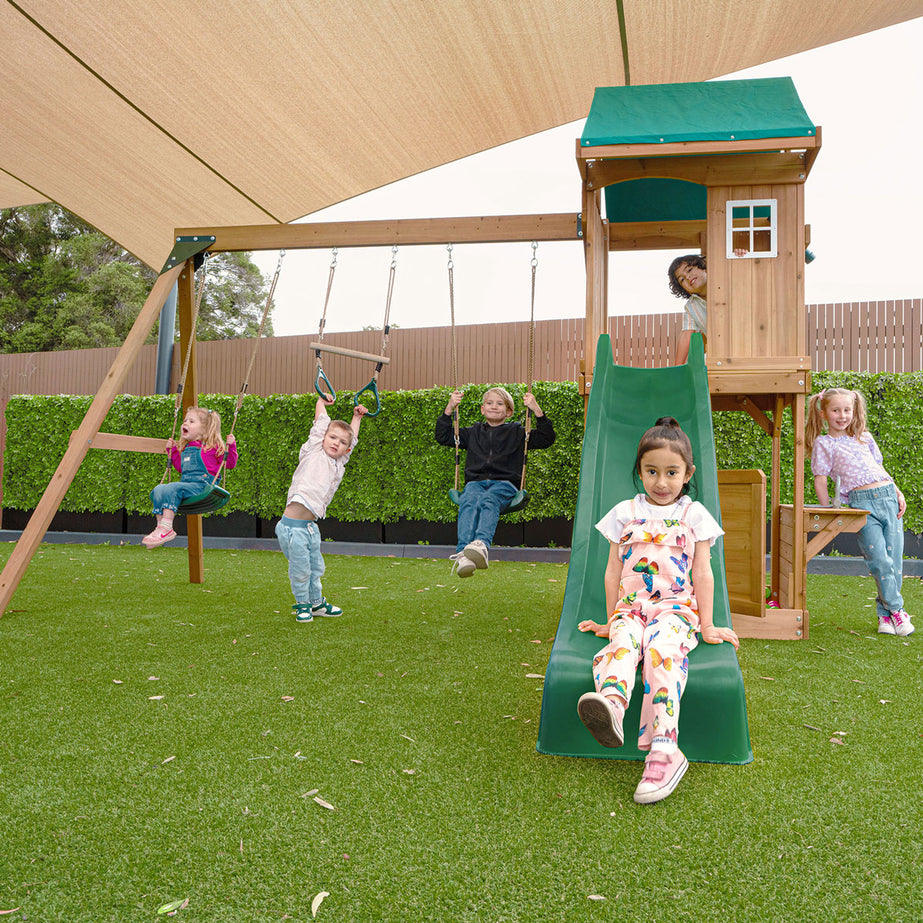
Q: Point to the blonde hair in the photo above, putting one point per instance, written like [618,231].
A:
[817,408]
[340,425]
[211,429]
[505,396]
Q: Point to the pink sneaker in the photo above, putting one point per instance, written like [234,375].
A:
[902,624]
[662,773]
[158,537]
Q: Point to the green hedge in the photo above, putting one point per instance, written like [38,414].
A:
[398,469]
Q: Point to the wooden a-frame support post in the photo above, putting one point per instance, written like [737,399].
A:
[82,438]
[185,308]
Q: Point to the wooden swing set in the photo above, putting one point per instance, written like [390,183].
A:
[179,271]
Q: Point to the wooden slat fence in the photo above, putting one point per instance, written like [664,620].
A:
[878,336]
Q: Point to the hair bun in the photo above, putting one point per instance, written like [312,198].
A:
[667,421]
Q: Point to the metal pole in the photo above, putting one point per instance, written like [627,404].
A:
[165,335]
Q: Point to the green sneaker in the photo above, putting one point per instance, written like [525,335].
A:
[302,612]
[328,610]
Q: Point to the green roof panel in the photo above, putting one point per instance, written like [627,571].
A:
[652,199]
[718,110]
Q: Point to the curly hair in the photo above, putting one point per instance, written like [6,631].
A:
[691,259]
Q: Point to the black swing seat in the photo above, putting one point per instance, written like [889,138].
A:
[519,500]
[206,502]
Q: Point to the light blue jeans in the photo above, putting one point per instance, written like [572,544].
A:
[299,540]
[881,541]
[479,510]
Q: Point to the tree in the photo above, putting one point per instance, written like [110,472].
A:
[65,285]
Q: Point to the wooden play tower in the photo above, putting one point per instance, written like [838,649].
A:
[713,168]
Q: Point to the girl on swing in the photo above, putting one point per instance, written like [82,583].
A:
[198,458]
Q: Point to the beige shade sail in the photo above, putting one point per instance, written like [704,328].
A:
[144,117]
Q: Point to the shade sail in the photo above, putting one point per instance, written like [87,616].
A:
[144,117]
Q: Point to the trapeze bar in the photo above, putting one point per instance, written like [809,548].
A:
[343,351]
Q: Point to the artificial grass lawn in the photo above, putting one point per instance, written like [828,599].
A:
[162,741]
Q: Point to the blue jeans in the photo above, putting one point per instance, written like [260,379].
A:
[170,496]
[479,510]
[881,540]
[299,540]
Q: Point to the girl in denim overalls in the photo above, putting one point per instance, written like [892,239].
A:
[198,457]
[847,452]
[659,591]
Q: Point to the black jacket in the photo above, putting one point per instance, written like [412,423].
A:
[495,452]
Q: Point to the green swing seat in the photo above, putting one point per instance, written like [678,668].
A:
[208,501]
[624,402]
[518,501]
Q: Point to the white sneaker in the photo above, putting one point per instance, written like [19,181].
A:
[464,566]
[902,624]
[886,625]
[601,718]
[476,551]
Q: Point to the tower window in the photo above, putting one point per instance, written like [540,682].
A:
[751,229]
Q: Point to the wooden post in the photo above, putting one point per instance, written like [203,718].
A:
[82,439]
[799,559]
[185,306]
[596,252]
[774,499]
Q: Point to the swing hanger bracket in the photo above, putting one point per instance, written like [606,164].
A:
[185,247]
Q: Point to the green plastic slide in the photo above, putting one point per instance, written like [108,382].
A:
[624,402]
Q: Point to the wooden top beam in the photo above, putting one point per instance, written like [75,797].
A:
[745,169]
[403,231]
[681,148]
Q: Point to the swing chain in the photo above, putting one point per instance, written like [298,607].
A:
[450,265]
[321,380]
[530,370]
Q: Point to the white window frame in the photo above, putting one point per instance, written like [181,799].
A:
[773,229]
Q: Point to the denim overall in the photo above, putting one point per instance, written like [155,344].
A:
[195,480]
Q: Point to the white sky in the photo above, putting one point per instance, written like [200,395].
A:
[863,201]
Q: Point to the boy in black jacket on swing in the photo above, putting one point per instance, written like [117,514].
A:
[493,468]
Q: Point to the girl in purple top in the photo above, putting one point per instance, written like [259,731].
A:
[198,456]
[848,453]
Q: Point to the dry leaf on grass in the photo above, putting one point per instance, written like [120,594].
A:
[318,900]
[155,698]
[535,675]
[324,804]
[8,911]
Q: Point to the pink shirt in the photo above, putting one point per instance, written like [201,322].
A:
[850,462]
